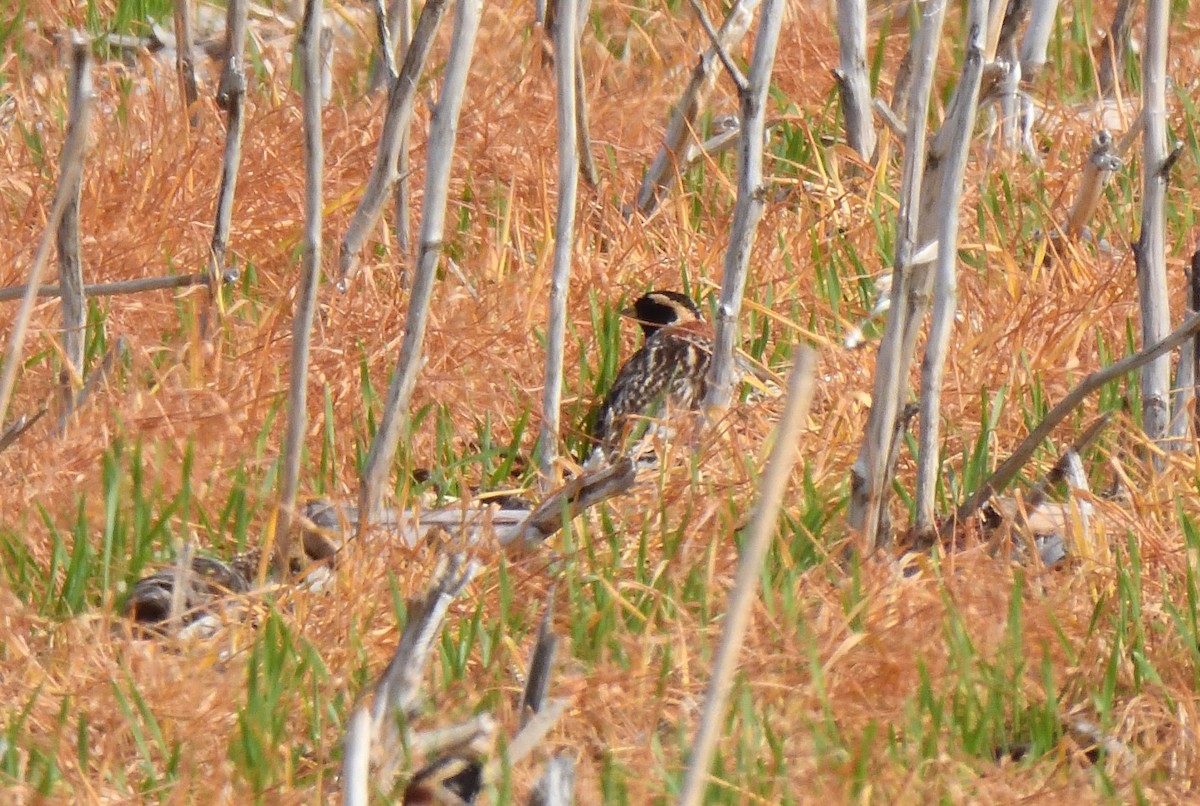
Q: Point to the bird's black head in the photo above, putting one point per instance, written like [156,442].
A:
[657,309]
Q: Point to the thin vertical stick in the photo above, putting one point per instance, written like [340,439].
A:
[231,96]
[687,109]
[851,76]
[869,472]
[748,208]
[443,134]
[754,549]
[70,268]
[69,176]
[565,43]
[1115,45]
[1037,37]
[401,96]
[403,8]
[185,60]
[1151,248]
[945,285]
[309,50]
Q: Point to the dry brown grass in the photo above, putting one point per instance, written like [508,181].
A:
[147,205]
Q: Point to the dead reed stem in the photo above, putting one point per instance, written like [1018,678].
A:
[185,60]
[748,208]
[443,132]
[401,95]
[308,47]
[118,287]
[749,570]
[1150,251]
[1009,468]
[868,475]
[565,43]
[231,96]
[69,178]
[851,76]
[686,112]
[962,126]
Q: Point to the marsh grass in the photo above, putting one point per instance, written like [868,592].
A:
[952,681]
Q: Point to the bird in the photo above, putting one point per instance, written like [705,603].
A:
[669,371]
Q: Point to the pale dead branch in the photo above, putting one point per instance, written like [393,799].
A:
[443,131]
[566,41]
[748,208]
[121,286]
[851,76]
[231,96]
[401,96]
[1102,163]
[69,177]
[185,60]
[686,113]
[754,549]
[1150,250]
[308,48]
[962,124]
[1010,467]
[868,475]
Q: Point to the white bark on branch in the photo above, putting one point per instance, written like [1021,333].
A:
[401,96]
[962,126]
[682,123]
[748,208]
[69,176]
[443,134]
[851,76]
[231,96]
[309,50]
[565,67]
[1151,248]
[868,475]
[749,570]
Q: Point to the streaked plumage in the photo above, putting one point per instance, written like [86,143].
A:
[668,372]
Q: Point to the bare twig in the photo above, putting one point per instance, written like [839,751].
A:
[946,285]
[443,130]
[231,96]
[69,177]
[1037,37]
[1150,250]
[93,379]
[868,475]
[13,431]
[1038,494]
[851,76]
[1009,468]
[403,9]
[1102,163]
[1185,370]
[748,207]
[687,109]
[120,286]
[185,60]
[308,47]
[735,74]
[565,42]
[754,549]
[401,96]
[895,124]
[387,51]
[70,268]
[396,694]
[537,676]
[587,163]
[1114,47]
[557,783]
[576,496]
